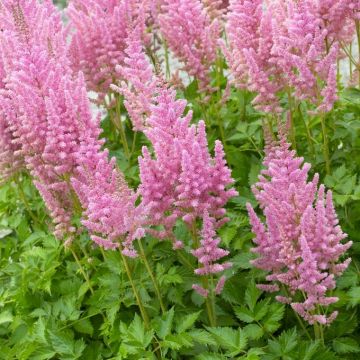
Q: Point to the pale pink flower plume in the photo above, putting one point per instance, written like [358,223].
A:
[300,242]
[192,36]
[209,253]
[99,32]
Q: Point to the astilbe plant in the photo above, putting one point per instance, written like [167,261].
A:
[51,121]
[99,31]
[208,254]
[182,180]
[289,51]
[299,243]
[138,84]
[110,213]
[216,8]
[39,101]
[192,36]
[249,33]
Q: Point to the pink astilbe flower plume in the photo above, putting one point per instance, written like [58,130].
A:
[192,36]
[138,85]
[281,46]
[49,114]
[38,100]
[208,255]
[98,40]
[182,180]
[110,213]
[249,31]
[300,242]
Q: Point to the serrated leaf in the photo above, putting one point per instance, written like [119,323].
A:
[272,321]
[346,345]
[138,334]
[84,326]
[252,295]
[285,343]
[210,356]
[253,331]
[187,322]
[230,339]
[244,314]
[164,325]
[202,337]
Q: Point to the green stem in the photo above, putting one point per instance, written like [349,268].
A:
[292,125]
[153,279]
[350,62]
[302,325]
[119,125]
[325,144]
[357,25]
[82,270]
[25,201]
[133,144]
[143,312]
[309,136]
[167,62]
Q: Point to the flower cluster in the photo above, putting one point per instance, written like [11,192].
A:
[192,36]
[100,29]
[139,85]
[110,213]
[50,119]
[42,123]
[182,180]
[208,253]
[249,32]
[284,46]
[300,243]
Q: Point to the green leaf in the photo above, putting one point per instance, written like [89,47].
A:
[252,295]
[202,337]
[137,333]
[272,321]
[285,344]
[64,344]
[84,326]
[230,339]
[346,345]
[253,331]
[187,322]
[354,296]
[6,317]
[163,326]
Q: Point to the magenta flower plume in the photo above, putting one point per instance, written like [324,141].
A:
[208,255]
[138,84]
[249,31]
[110,213]
[192,36]
[300,242]
[10,161]
[283,46]
[39,101]
[182,180]
[98,41]
[50,118]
